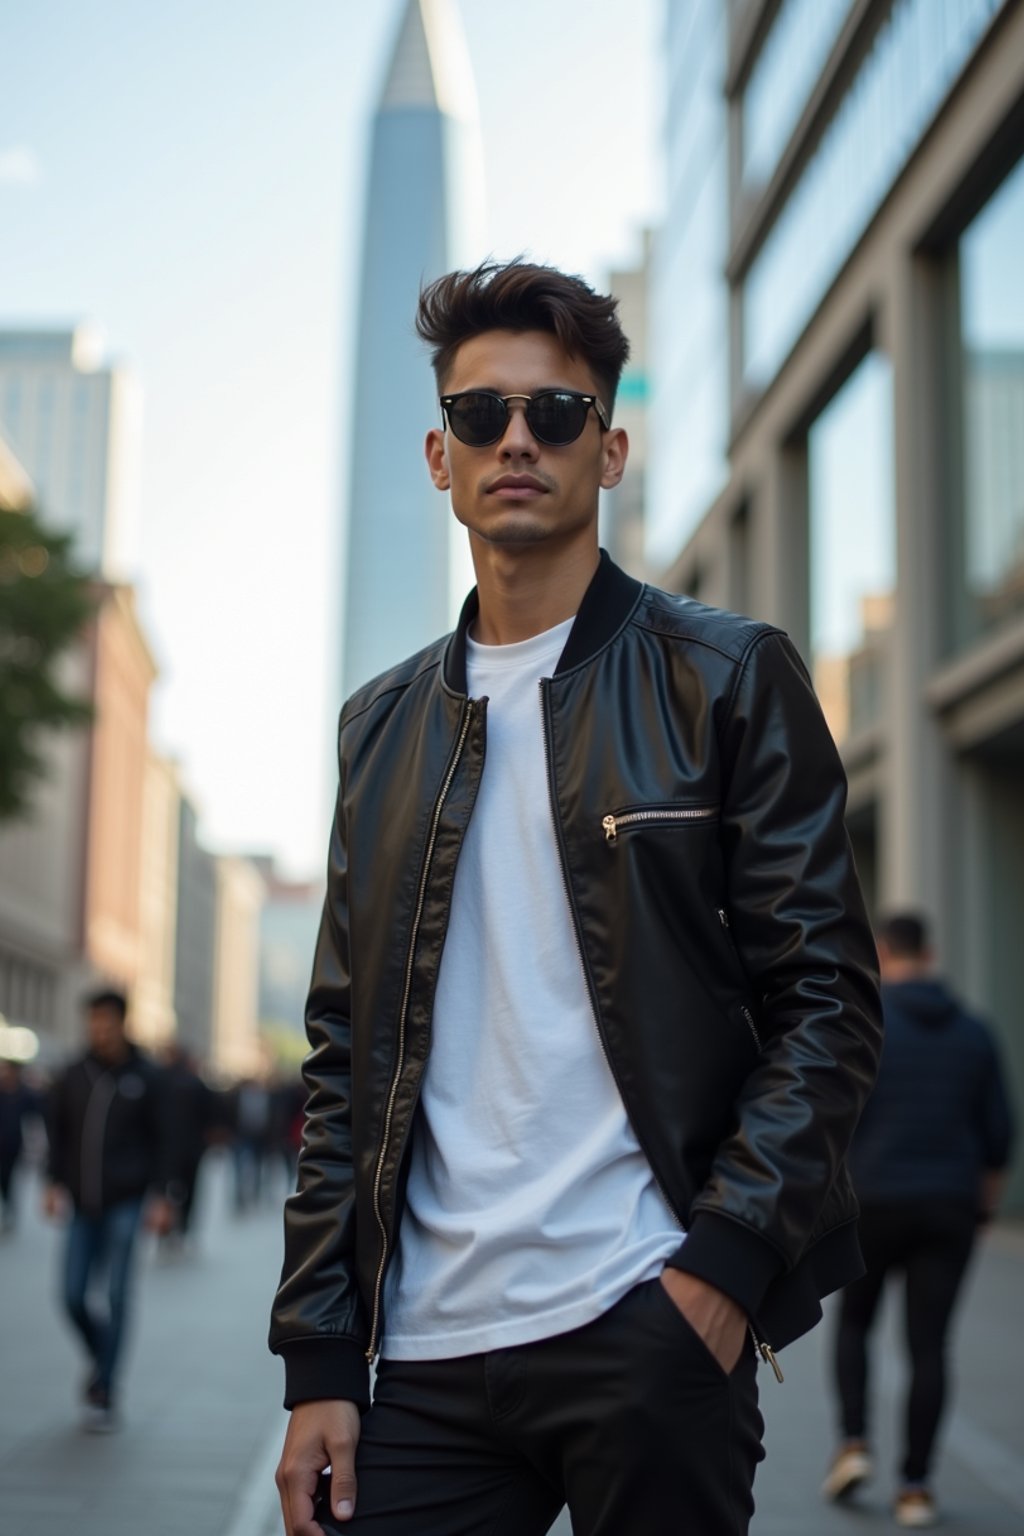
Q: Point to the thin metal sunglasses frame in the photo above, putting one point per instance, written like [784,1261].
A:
[446,401]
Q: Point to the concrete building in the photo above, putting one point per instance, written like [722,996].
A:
[75,426]
[621,522]
[858,471]
[123,673]
[195,937]
[70,870]
[422,202]
[289,923]
[237,1050]
[153,1010]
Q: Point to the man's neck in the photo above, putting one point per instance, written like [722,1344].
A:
[523,591]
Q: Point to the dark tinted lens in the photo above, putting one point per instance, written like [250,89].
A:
[477,419]
[555,418]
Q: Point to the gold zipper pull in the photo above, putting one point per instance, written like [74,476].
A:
[768,1356]
[610,828]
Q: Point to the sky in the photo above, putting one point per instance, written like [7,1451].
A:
[190,177]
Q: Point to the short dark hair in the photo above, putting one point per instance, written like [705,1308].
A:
[107,997]
[519,296]
[905,935]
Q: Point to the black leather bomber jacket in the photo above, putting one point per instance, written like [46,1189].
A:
[697,803]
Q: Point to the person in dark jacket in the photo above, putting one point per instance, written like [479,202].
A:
[593,1010]
[927,1161]
[190,1110]
[110,1163]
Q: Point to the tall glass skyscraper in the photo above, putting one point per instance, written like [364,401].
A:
[423,193]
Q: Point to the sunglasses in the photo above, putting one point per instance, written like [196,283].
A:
[478,417]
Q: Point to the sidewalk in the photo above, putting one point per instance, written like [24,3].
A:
[201,1394]
[980,1481]
[203,1423]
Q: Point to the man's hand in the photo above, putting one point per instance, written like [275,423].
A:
[160,1216]
[320,1434]
[55,1202]
[719,1321]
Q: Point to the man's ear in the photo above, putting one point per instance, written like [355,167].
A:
[437,459]
[615,451]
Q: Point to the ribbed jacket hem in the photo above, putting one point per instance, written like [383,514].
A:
[730,1257]
[325,1367]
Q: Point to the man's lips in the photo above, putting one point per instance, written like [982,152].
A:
[517,488]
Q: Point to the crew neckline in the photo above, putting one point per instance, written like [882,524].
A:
[519,651]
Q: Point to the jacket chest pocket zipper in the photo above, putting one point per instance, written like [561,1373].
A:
[612,825]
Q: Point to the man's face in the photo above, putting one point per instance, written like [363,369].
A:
[106,1032]
[519,491]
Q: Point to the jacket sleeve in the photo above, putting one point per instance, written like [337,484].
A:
[318,1322]
[805,943]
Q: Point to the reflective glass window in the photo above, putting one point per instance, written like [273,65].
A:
[992,394]
[852,546]
[689,348]
[792,57]
[915,58]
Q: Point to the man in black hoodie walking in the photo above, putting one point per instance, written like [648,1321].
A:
[927,1163]
[110,1154]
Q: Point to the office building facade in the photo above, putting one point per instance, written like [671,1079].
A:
[866,429]
[74,423]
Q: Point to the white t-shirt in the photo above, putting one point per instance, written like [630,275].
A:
[530,1207]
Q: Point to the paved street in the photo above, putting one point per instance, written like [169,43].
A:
[202,1417]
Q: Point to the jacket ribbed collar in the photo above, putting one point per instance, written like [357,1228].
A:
[607,603]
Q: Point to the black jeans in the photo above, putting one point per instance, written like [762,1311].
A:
[930,1242]
[630,1420]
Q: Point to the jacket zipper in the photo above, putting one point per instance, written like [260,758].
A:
[414,935]
[612,824]
[767,1353]
[747,1016]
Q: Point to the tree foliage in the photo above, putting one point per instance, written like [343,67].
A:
[44,604]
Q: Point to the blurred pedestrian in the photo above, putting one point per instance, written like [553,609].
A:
[289,1097]
[191,1117]
[252,1125]
[109,1163]
[18,1103]
[927,1161]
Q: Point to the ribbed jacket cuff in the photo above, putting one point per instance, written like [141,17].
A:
[324,1367]
[730,1257]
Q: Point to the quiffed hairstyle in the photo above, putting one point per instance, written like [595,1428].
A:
[905,935]
[108,997]
[518,296]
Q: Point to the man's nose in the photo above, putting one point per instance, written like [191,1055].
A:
[517,440]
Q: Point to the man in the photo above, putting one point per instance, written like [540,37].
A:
[593,974]
[191,1108]
[927,1164]
[109,1142]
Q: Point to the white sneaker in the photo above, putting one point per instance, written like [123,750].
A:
[915,1508]
[851,1466]
[99,1419]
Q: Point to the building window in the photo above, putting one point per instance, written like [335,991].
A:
[689,347]
[852,547]
[992,404]
[787,68]
[916,57]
